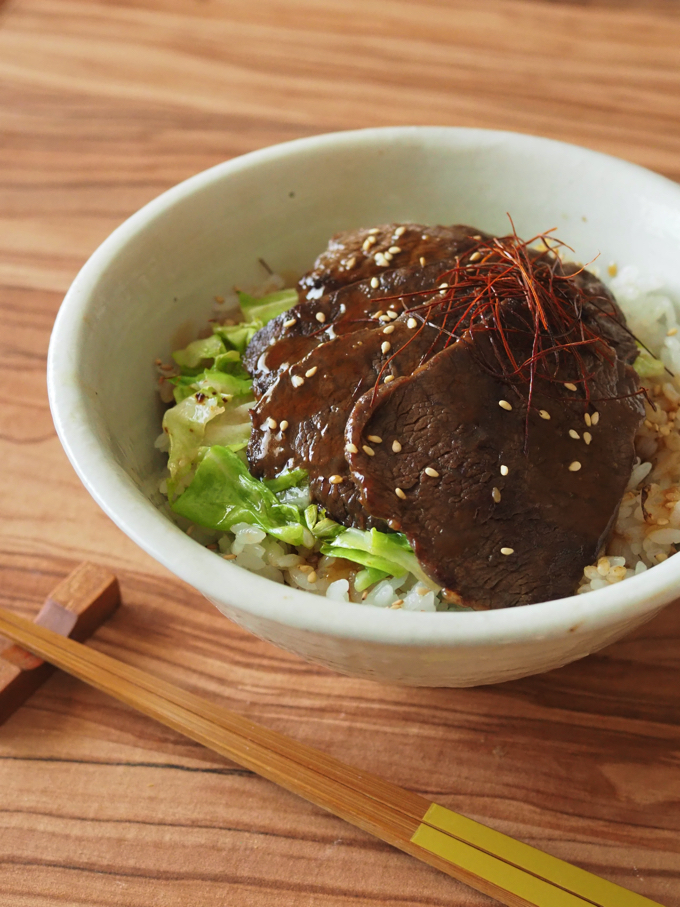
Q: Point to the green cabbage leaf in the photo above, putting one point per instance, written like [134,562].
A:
[264,308]
[389,553]
[222,493]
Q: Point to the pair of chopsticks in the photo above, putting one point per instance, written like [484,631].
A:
[514,873]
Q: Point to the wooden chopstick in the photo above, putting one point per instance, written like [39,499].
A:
[514,873]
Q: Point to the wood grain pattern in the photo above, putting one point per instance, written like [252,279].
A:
[102,106]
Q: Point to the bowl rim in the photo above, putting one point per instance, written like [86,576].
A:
[125,504]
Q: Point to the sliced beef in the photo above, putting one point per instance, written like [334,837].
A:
[348,295]
[334,375]
[360,254]
[446,418]
[281,343]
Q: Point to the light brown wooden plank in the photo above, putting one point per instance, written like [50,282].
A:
[102,106]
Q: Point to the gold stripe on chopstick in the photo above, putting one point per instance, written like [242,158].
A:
[578,881]
[529,888]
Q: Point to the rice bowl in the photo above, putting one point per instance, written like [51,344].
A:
[177,253]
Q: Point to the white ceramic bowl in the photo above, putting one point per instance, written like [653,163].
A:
[155,277]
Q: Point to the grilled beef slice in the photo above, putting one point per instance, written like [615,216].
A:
[317,411]
[554,518]
[359,254]
[349,297]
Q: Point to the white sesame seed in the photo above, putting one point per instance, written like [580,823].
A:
[388,379]
[368,450]
[476,237]
[671,332]
[496,494]
[400,231]
[381,261]
[504,470]
[394,250]
[385,347]
[335,480]
[422,261]
[574,434]
[368,242]
[396,446]
[429,471]
[505,405]
[312,577]
[389,329]
[283,424]
[399,603]
[375,283]
[272,423]
[400,494]
[351,262]
[570,387]
[305,568]
[595,418]
[320,317]
[297,380]
[392,315]
[311,371]
[377,314]
[544,414]
[443,286]
[475,256]
[376,439]
[587,437]
[412,323]
[575,466]
[290,322]
[587,419]
[507,551]
[373,231]
[388,256]
[352,448]
[384,318]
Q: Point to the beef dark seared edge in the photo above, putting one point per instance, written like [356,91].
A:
[446,417]
[348,295]
[317,412]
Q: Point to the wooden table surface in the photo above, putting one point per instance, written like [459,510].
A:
[105,104]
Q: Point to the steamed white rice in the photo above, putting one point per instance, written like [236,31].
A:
[647,529]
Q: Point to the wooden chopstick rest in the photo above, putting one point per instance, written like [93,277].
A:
[75,608]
